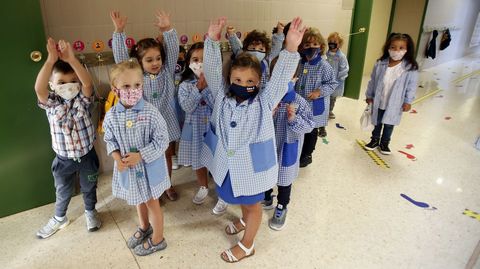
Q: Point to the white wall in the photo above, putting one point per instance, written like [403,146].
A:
[377,33]
[458,13]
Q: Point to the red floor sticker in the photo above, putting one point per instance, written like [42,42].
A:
[409,146]
[413,111]
[410,156]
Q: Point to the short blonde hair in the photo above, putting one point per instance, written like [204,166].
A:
[313,34]
[338,37]
[118,69]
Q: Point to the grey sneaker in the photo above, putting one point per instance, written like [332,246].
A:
[93,222]
[268,204]
[52,226]
[134,241]
[141,251]
[277,222]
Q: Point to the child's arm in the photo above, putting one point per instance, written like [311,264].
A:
[285,66]
[113,148]
[189,96]
[212,58]
[41,84]
[343,68]
[67,55]
[208,97]
[119,47]
[326,84]
[277,42]
[411,89]
[303,121]
[170,41]
[235,42]
[370,92]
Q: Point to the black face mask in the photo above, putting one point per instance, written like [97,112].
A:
[332,45]
[180,67]
[242,92]
[310,52]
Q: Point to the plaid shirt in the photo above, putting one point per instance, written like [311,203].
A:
[138,129]
[198,110]
[289,136]
[241,136]
[159,89]
[317,74]
[71,125]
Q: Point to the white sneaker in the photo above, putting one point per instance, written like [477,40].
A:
[220,207]
[175,162]
[199,198]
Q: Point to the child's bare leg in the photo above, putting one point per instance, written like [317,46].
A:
[156,220]
[172,195]
[142,212]
[252,215]
[202,177]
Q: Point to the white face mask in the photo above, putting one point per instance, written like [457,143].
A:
[258,54]
[197,68]
[68,90]
[397,55]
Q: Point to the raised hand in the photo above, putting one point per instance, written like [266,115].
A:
[230,30]
[163,21]
[52,50]
[280,28]
[118,21]
[294,35]
[216,27]
[66,51]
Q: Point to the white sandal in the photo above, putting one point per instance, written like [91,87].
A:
[231,258]
[231,229]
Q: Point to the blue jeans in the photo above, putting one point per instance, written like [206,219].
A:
[387,129]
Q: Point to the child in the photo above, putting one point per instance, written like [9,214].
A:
[239,146]
[136,136]
[316,82]
[339,62]
[391,88]
[179,69]
[257,44]
[72,133]
[293,118]
[158,65]
[197,101]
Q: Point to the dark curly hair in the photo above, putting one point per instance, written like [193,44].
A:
[409,56]
[255,37]
[188,73]
[139,49]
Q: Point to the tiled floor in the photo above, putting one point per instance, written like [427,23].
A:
[346,211]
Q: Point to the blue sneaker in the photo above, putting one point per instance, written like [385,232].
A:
[279,219]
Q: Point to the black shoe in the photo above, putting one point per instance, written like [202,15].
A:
[322,132]
[374,143]
[384,149]
[305,161]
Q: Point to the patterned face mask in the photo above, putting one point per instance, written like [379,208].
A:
[130,97]
[197,68]
[67,91]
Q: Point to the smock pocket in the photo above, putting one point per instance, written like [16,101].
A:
[263,155]
[211,139]
[156,171]
[289,153]
[318,106]
[123,179]
[187,132]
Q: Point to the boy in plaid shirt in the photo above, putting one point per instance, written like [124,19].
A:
[72,132]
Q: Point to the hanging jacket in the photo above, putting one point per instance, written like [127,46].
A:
[446,38]
[432,46]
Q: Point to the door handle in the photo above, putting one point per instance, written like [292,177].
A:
[36,56]
[361,30]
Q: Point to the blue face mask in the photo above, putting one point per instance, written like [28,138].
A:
[258,54]
[311,52]
[243,93]
[290,95]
